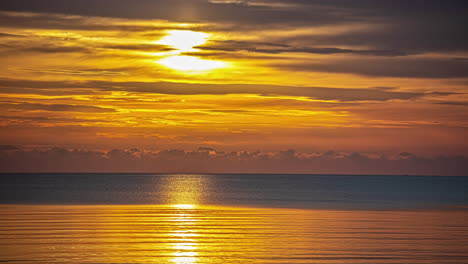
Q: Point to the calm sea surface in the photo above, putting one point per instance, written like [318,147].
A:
[224,218]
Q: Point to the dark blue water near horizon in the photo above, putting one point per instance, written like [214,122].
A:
[252,190]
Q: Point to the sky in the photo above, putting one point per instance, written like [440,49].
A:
[369,86]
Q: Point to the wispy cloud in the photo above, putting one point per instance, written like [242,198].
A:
[321,93]
[53,107]
[393,67]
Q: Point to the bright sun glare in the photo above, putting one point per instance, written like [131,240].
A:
[185,41]
[190,63]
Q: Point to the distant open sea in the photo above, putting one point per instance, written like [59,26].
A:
[232,218]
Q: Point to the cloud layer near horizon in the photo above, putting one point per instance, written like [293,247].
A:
[209,160]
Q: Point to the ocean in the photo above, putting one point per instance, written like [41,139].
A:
[232,218]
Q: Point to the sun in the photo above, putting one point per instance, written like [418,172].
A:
[185,41]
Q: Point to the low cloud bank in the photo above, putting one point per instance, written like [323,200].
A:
[209,160]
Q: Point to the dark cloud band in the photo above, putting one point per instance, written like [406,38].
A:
[322,93]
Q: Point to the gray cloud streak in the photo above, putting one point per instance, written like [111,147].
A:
[323,93]
[54,107]
[435,68]
[271,48]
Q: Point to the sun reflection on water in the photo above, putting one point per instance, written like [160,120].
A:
[185,260]
[184,194]
[185,191]
[186,245]
[184,206]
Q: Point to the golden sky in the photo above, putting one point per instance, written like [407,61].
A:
[234,75]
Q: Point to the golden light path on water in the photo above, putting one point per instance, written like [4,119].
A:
[184,41]
[186,230]
[104,234]
[184,194]
[186,246]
